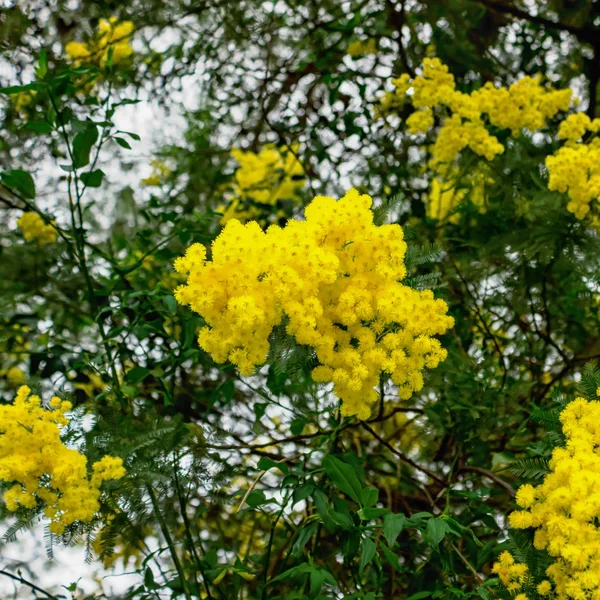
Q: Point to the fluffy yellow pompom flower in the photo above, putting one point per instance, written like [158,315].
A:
[266,177]
[336,280]
[110,34]
[513,575]
[43,469]
[15,376]
[544,588]
[447,191]
[565,508]
[360,48]
[34,229]
[575,168]
[420,121]
[526,104]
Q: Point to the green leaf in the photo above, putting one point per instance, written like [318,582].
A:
[149,580]
[316,582]
[303,537]
[42,68]
[93,178]
[390,557]
[227,389]
[369,496]
[344,477]
[133,136]
[137,374]
[367,514]
[435,531]
[170,302]
[265,463]
[367,552]
[256,498]
[20,181]
[38,126]
[123,143]
[420,596]
[393,524]
[82,145]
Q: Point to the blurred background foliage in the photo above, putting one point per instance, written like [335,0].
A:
[519,272]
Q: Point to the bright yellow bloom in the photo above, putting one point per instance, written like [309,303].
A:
[35,229]
[272,175]
[420,121]
[110,34]
[575,169]
[446,192]
[513,575]
[160,172]
[15,376]
[526,104]
[23,100]
[565,508]
[42,468]
[94,386]
[360,48]
[544,588]
[335,279]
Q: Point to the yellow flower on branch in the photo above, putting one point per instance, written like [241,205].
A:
[35,229]
[42,469]
[111,36]
[264,178]
[336,280]
[360,48]
[564,509]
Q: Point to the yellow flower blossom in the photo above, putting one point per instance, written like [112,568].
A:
[544,588]
[513,575]
[360,48]
[110,34]
[564,509]
[420,121]
[35,229]
[160,172]
[526,104]
[336,280]
[94,386]
[42,469]
[575,169]
[446,192]
[15,376]
[272,175]
[23,100]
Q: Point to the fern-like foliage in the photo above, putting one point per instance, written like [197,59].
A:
[531,468]
[382,213]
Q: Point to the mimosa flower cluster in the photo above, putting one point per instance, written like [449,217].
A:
[35,229]
[335,281]
[447,192]
[268,177]
[360,48]
[513,575]
[110,34]
[526,104]
[564,509]
[43,469]
[160,173]
[575,168]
